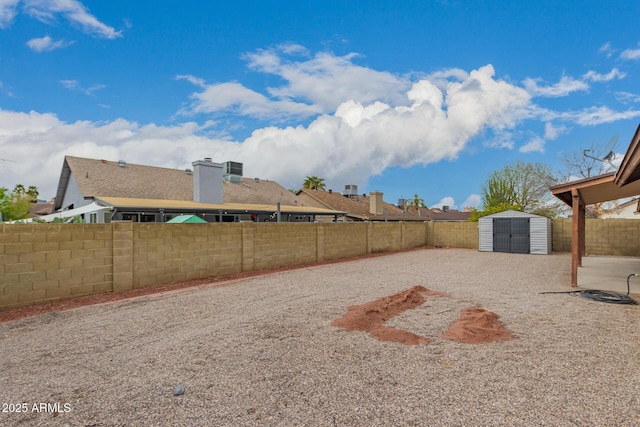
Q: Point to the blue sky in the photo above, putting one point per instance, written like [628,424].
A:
[412,97]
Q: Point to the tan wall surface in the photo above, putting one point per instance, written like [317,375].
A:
[344,240]
[43,262]
[453,234]
[615,237]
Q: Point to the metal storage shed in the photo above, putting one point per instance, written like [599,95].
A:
[515,232]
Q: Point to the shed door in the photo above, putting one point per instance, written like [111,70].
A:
[511,235]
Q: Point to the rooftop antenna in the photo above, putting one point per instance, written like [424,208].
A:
[609,156]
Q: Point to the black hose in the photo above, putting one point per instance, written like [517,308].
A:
[628,277]
[601,296]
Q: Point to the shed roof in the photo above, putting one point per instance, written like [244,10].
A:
[510,213]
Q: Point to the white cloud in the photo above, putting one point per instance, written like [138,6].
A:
[473,201]
[46,44]
[446,201]
[630,54]
[627,97]
[74,85]
[597,77]
[357,141]
[535,144]
[74,11]
[235,98]
[8,11]
[564,87]
[596,116]
[551,132]
[327,80]
[606,49]
[501,139]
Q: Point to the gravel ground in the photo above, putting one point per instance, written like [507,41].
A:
[262,352]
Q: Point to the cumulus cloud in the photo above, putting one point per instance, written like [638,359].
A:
[597,77]
[630,54]
[8,11]
[446,201]
[606,49]
[47,10]
[535,144]
[473,201]
[552,132]
[313,86]
[233,97]
[564,87]
[355,142]
[46,44]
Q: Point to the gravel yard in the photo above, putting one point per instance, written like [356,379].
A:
[262,352]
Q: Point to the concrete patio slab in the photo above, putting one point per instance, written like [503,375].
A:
[610,274]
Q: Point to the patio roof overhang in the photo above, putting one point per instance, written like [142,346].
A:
[577,194]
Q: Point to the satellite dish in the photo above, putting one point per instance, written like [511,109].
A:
[608,150]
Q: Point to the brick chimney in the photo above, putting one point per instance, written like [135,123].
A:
[375,203]
[207,181]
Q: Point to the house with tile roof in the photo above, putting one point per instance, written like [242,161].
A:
[446,214]
[102,191]
[357,207]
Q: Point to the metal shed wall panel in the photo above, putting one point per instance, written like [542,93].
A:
[485,232]
[541,235]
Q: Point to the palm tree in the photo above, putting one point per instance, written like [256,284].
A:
[415,204]
[313,183]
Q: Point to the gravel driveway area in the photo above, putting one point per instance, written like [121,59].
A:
[262,352]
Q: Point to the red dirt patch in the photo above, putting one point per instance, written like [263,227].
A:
[478,326]
[371,317]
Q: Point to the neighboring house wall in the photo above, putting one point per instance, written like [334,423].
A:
[625,211]
[73,195]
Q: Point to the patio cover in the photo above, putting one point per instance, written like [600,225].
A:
[602,188]
[70,213]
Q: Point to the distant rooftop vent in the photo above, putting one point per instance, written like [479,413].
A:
[232,172]
[350,190]
[445,208]
[188,171]
[401,203]
[122,163]
[257,179]
[208,159]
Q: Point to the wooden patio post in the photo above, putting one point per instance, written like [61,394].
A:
[577,235]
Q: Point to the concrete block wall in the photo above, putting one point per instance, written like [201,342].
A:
[617,237]
[42,262]
[387,236]
[614,237]
[453,234]
[343,240]
[414,234]
[283,244]
[178,252]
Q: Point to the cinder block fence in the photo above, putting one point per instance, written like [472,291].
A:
[46,262]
